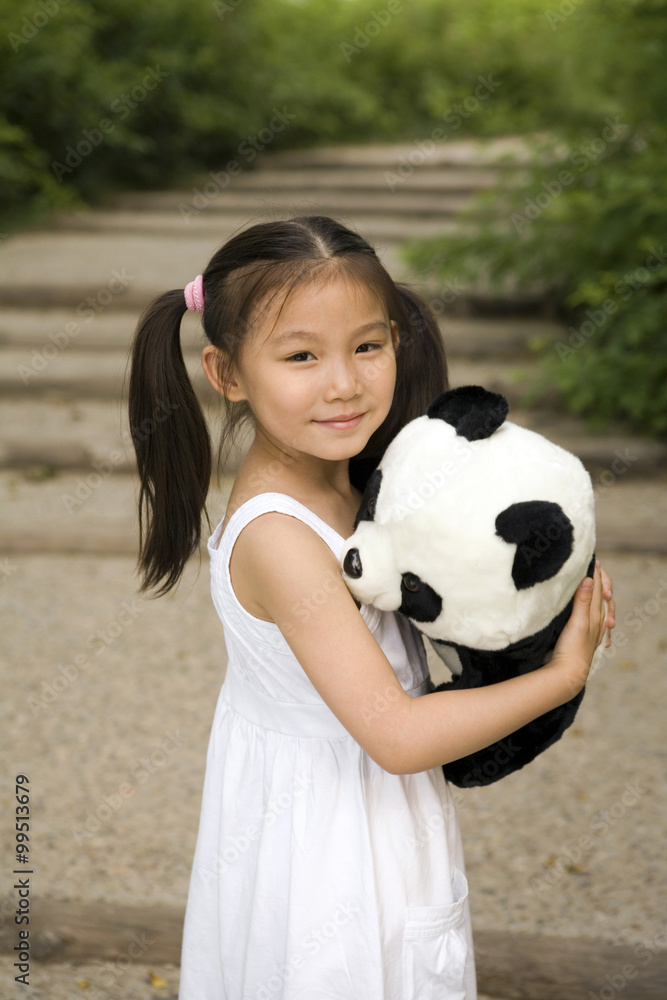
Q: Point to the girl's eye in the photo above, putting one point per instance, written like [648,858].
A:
[365,348]
[300,356]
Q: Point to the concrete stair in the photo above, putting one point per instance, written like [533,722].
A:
[70,297]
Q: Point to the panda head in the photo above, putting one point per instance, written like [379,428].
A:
[475,528]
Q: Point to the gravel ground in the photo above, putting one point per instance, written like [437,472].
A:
[94,981]
[129,726]
[83,982]
[83,511]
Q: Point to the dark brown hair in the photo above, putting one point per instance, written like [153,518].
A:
[250,269]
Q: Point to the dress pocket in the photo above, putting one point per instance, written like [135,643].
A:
[435,948]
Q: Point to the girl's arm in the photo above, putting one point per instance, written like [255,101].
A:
[295,579]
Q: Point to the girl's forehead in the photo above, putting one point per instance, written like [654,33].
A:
[311,306]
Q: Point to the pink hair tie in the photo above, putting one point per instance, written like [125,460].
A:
[194,294]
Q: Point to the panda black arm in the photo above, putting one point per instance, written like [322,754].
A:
[522,699]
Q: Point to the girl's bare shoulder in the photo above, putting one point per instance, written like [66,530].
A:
[338,514]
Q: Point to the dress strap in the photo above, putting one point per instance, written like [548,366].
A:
[265,503]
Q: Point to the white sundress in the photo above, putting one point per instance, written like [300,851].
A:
[317,875]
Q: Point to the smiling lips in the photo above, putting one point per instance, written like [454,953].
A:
[342,421]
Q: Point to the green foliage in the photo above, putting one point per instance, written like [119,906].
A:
[592,225]
[97,95]
[347,70]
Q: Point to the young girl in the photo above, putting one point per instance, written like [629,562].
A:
[328,861]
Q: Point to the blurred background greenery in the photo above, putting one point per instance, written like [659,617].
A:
[591,74]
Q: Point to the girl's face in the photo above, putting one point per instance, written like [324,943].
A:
[322,381]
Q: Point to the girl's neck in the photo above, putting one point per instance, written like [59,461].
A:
[300,476]
[333,498]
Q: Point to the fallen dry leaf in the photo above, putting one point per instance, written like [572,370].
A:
[157,981]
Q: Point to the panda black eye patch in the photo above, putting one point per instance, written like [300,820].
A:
[543,535]
[418,600]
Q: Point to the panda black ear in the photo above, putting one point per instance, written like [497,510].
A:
[472,411]
[542,533]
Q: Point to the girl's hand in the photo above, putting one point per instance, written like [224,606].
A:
[585,629]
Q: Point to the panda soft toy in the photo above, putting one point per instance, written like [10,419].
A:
[479,531]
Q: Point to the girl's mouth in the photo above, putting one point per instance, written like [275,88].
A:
[341,422]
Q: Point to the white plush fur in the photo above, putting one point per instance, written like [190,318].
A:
[435,517]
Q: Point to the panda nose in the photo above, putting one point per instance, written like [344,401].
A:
[352,564]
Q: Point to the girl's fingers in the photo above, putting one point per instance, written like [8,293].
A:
[597,602]
[608,591]
[602,612]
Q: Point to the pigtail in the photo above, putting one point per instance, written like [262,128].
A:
[421,375]
[171,442]
[421,361]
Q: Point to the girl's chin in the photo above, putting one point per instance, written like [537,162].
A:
[346,447]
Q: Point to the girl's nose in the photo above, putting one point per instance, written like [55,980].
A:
[342,380]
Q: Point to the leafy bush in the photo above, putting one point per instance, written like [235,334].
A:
[347,70]
[592,225]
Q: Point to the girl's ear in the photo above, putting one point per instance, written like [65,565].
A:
[221,374]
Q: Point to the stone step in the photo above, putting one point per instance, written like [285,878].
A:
[46,433]
[482,338]
[62,269]
[96,513]
[451,153]
[295,193]
[27,327]
[98,272]
[381,228]
[80,374]
[113,330]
